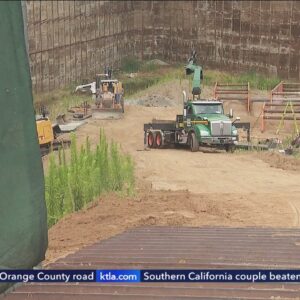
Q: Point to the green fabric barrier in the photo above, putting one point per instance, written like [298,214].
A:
[23,217]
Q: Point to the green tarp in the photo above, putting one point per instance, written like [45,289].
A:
[23,219]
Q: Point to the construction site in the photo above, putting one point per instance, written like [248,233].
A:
[153,135]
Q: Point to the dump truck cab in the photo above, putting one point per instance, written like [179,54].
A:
[204,122]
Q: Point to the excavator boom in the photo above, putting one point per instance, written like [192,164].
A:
[192,68]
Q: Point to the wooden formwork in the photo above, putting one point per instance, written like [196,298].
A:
[284,105]
[285,111]
[239,92]
[285,92]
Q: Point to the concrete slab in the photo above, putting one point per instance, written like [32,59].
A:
[71,126]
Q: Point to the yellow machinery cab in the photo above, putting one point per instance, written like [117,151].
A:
[44,131]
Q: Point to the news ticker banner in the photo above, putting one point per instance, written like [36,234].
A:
[135,276]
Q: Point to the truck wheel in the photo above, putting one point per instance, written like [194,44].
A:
[194,143]
[158,140]
[151,140]
[230,148]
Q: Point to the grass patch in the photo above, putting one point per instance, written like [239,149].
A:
[147,79]
[71,185]
[257,81]
[139,84]
[59,101]
[132,65]
[149,74]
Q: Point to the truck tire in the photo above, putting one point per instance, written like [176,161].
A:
[230,148]
[158,140]
[194,143]
[151,140]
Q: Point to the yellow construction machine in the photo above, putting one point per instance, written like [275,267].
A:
[108,94]
[45,131]
[48,133]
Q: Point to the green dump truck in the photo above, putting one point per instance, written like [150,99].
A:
[203,123]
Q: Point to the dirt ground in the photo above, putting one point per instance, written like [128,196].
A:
[178,187]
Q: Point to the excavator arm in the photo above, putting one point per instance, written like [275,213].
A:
[192,68]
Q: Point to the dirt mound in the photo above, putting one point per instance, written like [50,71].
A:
[154,100]
[157,62]
[281,161]
[170,93]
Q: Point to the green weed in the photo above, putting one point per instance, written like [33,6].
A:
[70,186]
[130,64]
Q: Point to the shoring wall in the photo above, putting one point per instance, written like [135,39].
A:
[69,41]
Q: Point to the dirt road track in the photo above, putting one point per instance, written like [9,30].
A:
[177,187]
[179,169]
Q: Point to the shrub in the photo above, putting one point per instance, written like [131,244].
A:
[130,65]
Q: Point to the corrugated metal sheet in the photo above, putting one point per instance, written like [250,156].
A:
[187,248]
